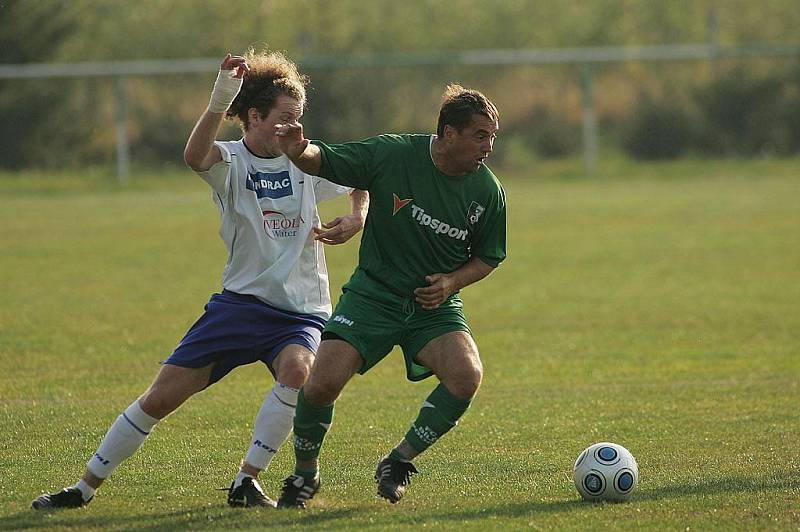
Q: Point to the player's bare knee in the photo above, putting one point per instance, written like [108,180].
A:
[164,396]
[336,362]
[464,381]
[473,383]
[295,377]
[294,373]
[466,386]
[477,374]
[321,390]
[314,394]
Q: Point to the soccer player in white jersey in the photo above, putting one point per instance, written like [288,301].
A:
[275,297]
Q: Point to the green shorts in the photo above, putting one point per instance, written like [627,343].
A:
[375,324]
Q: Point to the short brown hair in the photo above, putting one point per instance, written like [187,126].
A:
[271,75]
[458,106]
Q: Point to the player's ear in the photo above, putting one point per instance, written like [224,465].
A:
[253,116]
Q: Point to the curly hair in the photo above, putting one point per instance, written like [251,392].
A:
[458,106]
[271,75]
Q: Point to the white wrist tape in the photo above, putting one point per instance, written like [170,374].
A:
[225,90]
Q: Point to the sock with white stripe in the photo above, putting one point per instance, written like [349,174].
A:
[272,426]
[123,439]
[440,412]
[311,424]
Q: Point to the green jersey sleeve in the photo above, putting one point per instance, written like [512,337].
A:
[489,241]
[356,164]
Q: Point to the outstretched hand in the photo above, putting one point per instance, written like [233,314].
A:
[237,63]
[440,287]
[339,230]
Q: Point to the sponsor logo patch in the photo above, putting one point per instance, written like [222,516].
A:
[262,445]
[267,185]
[426,434]
[438,226]
[342,319]
[400,203]
[303,444]
[474,212]
[277,225]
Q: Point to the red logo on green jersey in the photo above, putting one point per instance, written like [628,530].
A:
[400,203]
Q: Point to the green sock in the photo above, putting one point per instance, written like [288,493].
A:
[438,414]
[397,455]
[311,423]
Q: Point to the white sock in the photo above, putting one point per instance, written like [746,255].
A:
[273,425]
[123,439]
[87,492]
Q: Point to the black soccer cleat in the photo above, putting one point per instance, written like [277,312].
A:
[297,491]
[248,494]
[392,477]
[66,498]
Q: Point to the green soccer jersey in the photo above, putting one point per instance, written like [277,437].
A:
[421,221]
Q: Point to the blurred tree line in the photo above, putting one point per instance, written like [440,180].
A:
[649,109]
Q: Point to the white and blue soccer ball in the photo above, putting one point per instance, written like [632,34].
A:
[605,472]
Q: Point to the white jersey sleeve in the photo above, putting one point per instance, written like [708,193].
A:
[325,190]
[218,176]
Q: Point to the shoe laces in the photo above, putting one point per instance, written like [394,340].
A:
[399,472]
[253,485]
[67,494]
[298,485]
[68,497]
[247,487]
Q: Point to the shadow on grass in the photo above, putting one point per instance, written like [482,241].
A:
[789,480]
[786,481]
[517,509]
[218,517]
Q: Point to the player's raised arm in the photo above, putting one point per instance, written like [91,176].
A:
[200,153]
[302,153]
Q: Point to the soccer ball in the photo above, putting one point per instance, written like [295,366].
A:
[605,472]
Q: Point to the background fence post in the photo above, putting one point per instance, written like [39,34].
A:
[589,120]
[123,146]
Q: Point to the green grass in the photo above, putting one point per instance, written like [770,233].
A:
[657,306]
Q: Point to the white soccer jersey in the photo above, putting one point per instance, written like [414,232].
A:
[267,209]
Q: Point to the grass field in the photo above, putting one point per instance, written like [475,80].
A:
[654,306]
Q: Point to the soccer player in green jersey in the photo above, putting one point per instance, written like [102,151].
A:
[436,224]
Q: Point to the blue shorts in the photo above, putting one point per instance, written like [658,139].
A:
[240,329]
